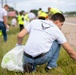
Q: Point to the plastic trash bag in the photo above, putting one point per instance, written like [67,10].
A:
[12,60]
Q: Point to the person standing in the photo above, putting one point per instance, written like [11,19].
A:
[44,42]
[42,15]
[3,21]
[39,12]
[21,20]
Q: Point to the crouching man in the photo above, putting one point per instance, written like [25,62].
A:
[44,42]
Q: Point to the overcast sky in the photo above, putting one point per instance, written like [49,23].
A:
[27,5]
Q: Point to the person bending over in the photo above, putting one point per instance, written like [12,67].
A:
[44,42]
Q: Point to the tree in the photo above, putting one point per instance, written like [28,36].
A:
[11,9]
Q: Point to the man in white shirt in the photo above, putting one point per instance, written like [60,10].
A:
[43,44]
[3,21]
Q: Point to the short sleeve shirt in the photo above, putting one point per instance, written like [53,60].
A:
[31,15]
[3,12]
[42,33]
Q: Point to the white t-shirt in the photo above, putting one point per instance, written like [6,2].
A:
[42,34]
[3,12]
[31,15]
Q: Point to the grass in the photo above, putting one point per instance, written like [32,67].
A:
[66,66]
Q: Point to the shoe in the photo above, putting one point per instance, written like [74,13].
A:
[28,67]
[48,68]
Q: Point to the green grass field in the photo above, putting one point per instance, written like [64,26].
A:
[66,66]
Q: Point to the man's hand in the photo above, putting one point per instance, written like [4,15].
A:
[19,44]
[7,28]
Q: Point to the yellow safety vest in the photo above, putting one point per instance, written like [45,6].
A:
[54,10]
[26,17]
[21,19]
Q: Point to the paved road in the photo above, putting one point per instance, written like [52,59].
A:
[69,30]
[71,19]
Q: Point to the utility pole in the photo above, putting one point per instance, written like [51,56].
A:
[2,3]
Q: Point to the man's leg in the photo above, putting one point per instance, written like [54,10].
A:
[55,53]
[4,33]
[28,60]
[21,27]
[51,57]
[3,28]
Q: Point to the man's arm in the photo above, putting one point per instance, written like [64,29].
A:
[69,50]
[21,35]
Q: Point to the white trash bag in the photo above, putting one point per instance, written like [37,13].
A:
[12,60]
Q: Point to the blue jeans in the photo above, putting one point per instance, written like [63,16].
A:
[50,58]
[3,28]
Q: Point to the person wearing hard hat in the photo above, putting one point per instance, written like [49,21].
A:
[52,11]
[39,12]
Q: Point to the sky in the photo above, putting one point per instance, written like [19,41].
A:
[27,5]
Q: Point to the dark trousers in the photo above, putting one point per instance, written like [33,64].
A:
[3,28]
[21,27]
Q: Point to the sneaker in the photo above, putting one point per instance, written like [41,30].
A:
[28,68]
[48,68]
